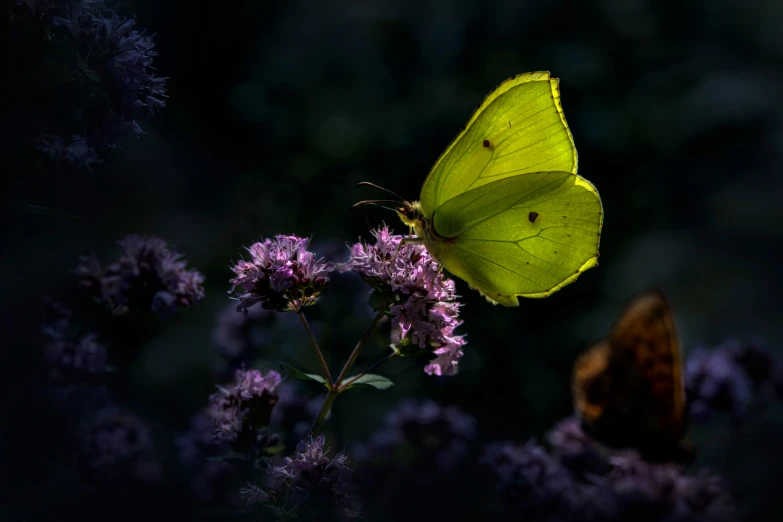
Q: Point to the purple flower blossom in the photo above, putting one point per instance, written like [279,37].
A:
[281,274]
[433,437]
[705,497]
[716,382]
[253,494]
[109,43]
[77,153]
[310,482]
[43,8]
[575,449]
[531,483]
[760,364]
[147,275]
[636,490]
[80,354]
[116,444]
[242,409]
[421,300]
[114,63]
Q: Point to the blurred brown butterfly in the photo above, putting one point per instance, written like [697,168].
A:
[628,388]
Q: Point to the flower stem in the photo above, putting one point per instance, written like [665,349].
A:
[368,370]
[334,386]
[327,375]
[352,359]
[327,405]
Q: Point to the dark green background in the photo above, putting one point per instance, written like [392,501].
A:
[278,109]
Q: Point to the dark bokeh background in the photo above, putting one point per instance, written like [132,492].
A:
[277,110]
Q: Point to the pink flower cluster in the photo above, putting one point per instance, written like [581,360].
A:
[281,274]
[422,301]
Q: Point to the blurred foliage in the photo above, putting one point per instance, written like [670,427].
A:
[278,109]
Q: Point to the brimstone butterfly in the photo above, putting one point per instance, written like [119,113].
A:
[503,207]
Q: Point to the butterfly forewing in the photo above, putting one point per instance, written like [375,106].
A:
[646,334]
[518,128]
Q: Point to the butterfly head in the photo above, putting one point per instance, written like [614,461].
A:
[410,213]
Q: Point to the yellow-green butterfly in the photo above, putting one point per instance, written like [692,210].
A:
[503,207]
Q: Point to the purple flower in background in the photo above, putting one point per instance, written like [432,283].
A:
[534,485]
[240,410]
[118,83]
[64,351]
[531,483]
[43,8]
[253,494]
[282,275]
[639,490]
[311,484]
[705,497]
[420,434]
[109,43]
[147,275]
[115,444]
[715,381]
[575,449]
[77,153]
[422,301]
[760,364]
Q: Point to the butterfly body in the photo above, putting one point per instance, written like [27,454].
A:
[503,207]
[628,388]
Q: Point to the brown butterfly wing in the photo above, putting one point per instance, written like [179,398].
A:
[645,336]
[591,386]
[628,388]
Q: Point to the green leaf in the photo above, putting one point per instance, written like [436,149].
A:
[379,382]
[271,451]
[236,461]
[302,375]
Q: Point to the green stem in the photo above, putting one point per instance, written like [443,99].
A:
[368,370]
[352,359]
[330,397]
[327,375]
[334,386]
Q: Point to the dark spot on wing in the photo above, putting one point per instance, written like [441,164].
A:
[532,216]
[486,143]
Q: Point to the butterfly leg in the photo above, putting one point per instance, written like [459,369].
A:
[403,241]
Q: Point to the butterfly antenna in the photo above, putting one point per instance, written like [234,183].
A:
[368,184]
[375,203]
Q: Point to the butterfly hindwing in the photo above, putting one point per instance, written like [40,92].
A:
[527,235]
